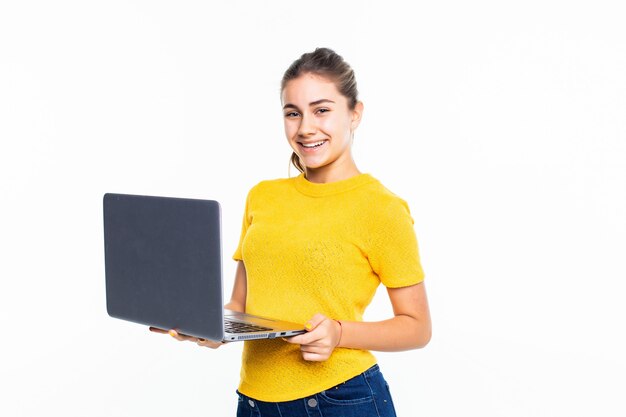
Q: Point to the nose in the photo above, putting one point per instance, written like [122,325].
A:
[307,126]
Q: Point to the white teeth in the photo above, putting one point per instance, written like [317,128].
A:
[312,145]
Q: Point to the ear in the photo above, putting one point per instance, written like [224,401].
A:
[357,113]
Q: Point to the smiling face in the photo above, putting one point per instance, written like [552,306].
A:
[319,125]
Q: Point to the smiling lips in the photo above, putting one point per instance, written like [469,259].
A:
[312,145]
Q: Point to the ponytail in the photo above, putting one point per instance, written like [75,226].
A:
[295,161]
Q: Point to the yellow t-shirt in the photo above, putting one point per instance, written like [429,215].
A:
[318,248]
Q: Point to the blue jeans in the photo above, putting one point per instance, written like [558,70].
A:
[365,395]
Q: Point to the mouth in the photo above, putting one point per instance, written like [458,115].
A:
[309,146]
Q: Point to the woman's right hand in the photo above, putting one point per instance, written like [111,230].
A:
[183,337]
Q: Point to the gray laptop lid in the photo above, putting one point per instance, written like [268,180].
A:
[158,253]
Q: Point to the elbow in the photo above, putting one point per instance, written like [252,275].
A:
[422,334]
[416,333]
[424,338]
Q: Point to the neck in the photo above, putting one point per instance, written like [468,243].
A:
[328,174]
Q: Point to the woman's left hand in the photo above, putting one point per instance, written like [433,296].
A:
[322,337]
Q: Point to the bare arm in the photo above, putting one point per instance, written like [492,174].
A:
[238,297]
[410,328]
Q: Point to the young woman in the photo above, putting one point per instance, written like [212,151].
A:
[313,249]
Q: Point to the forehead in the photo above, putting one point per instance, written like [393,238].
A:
[308,88]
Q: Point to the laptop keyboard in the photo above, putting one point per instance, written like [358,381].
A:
[237,327]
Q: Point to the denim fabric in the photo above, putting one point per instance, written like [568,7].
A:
[365,395]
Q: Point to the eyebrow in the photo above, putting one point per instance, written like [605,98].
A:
[313,103]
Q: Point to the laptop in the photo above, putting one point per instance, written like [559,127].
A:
[163,268]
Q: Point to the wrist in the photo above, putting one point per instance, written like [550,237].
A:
[340,333]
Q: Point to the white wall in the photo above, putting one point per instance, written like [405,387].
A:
[502,125]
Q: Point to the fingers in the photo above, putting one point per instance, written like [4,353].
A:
[313,333]
[319,341]
[157,330]
[171,332]
[209,343]
[298,340]
[183,337]
[314,357]
[316,353]
[312,336]
[315,321]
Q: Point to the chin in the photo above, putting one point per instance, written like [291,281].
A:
[311,162]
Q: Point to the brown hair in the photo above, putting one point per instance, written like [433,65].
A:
[328,64]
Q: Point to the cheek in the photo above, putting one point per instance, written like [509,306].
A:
[290,128]
[336,127]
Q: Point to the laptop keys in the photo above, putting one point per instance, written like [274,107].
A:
[237,327]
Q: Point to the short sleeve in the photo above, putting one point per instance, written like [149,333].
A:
[393,250]
[247,220]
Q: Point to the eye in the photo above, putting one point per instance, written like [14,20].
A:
[292,114]
[323,110]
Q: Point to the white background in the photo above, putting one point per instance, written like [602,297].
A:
[503,126]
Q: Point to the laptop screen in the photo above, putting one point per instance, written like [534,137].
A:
[163,262]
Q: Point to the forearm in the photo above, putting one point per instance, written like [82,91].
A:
[234,305]
[410,328]
[238,297]
[401,332]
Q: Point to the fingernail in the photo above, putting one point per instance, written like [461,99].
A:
[172,333]
[308,326]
